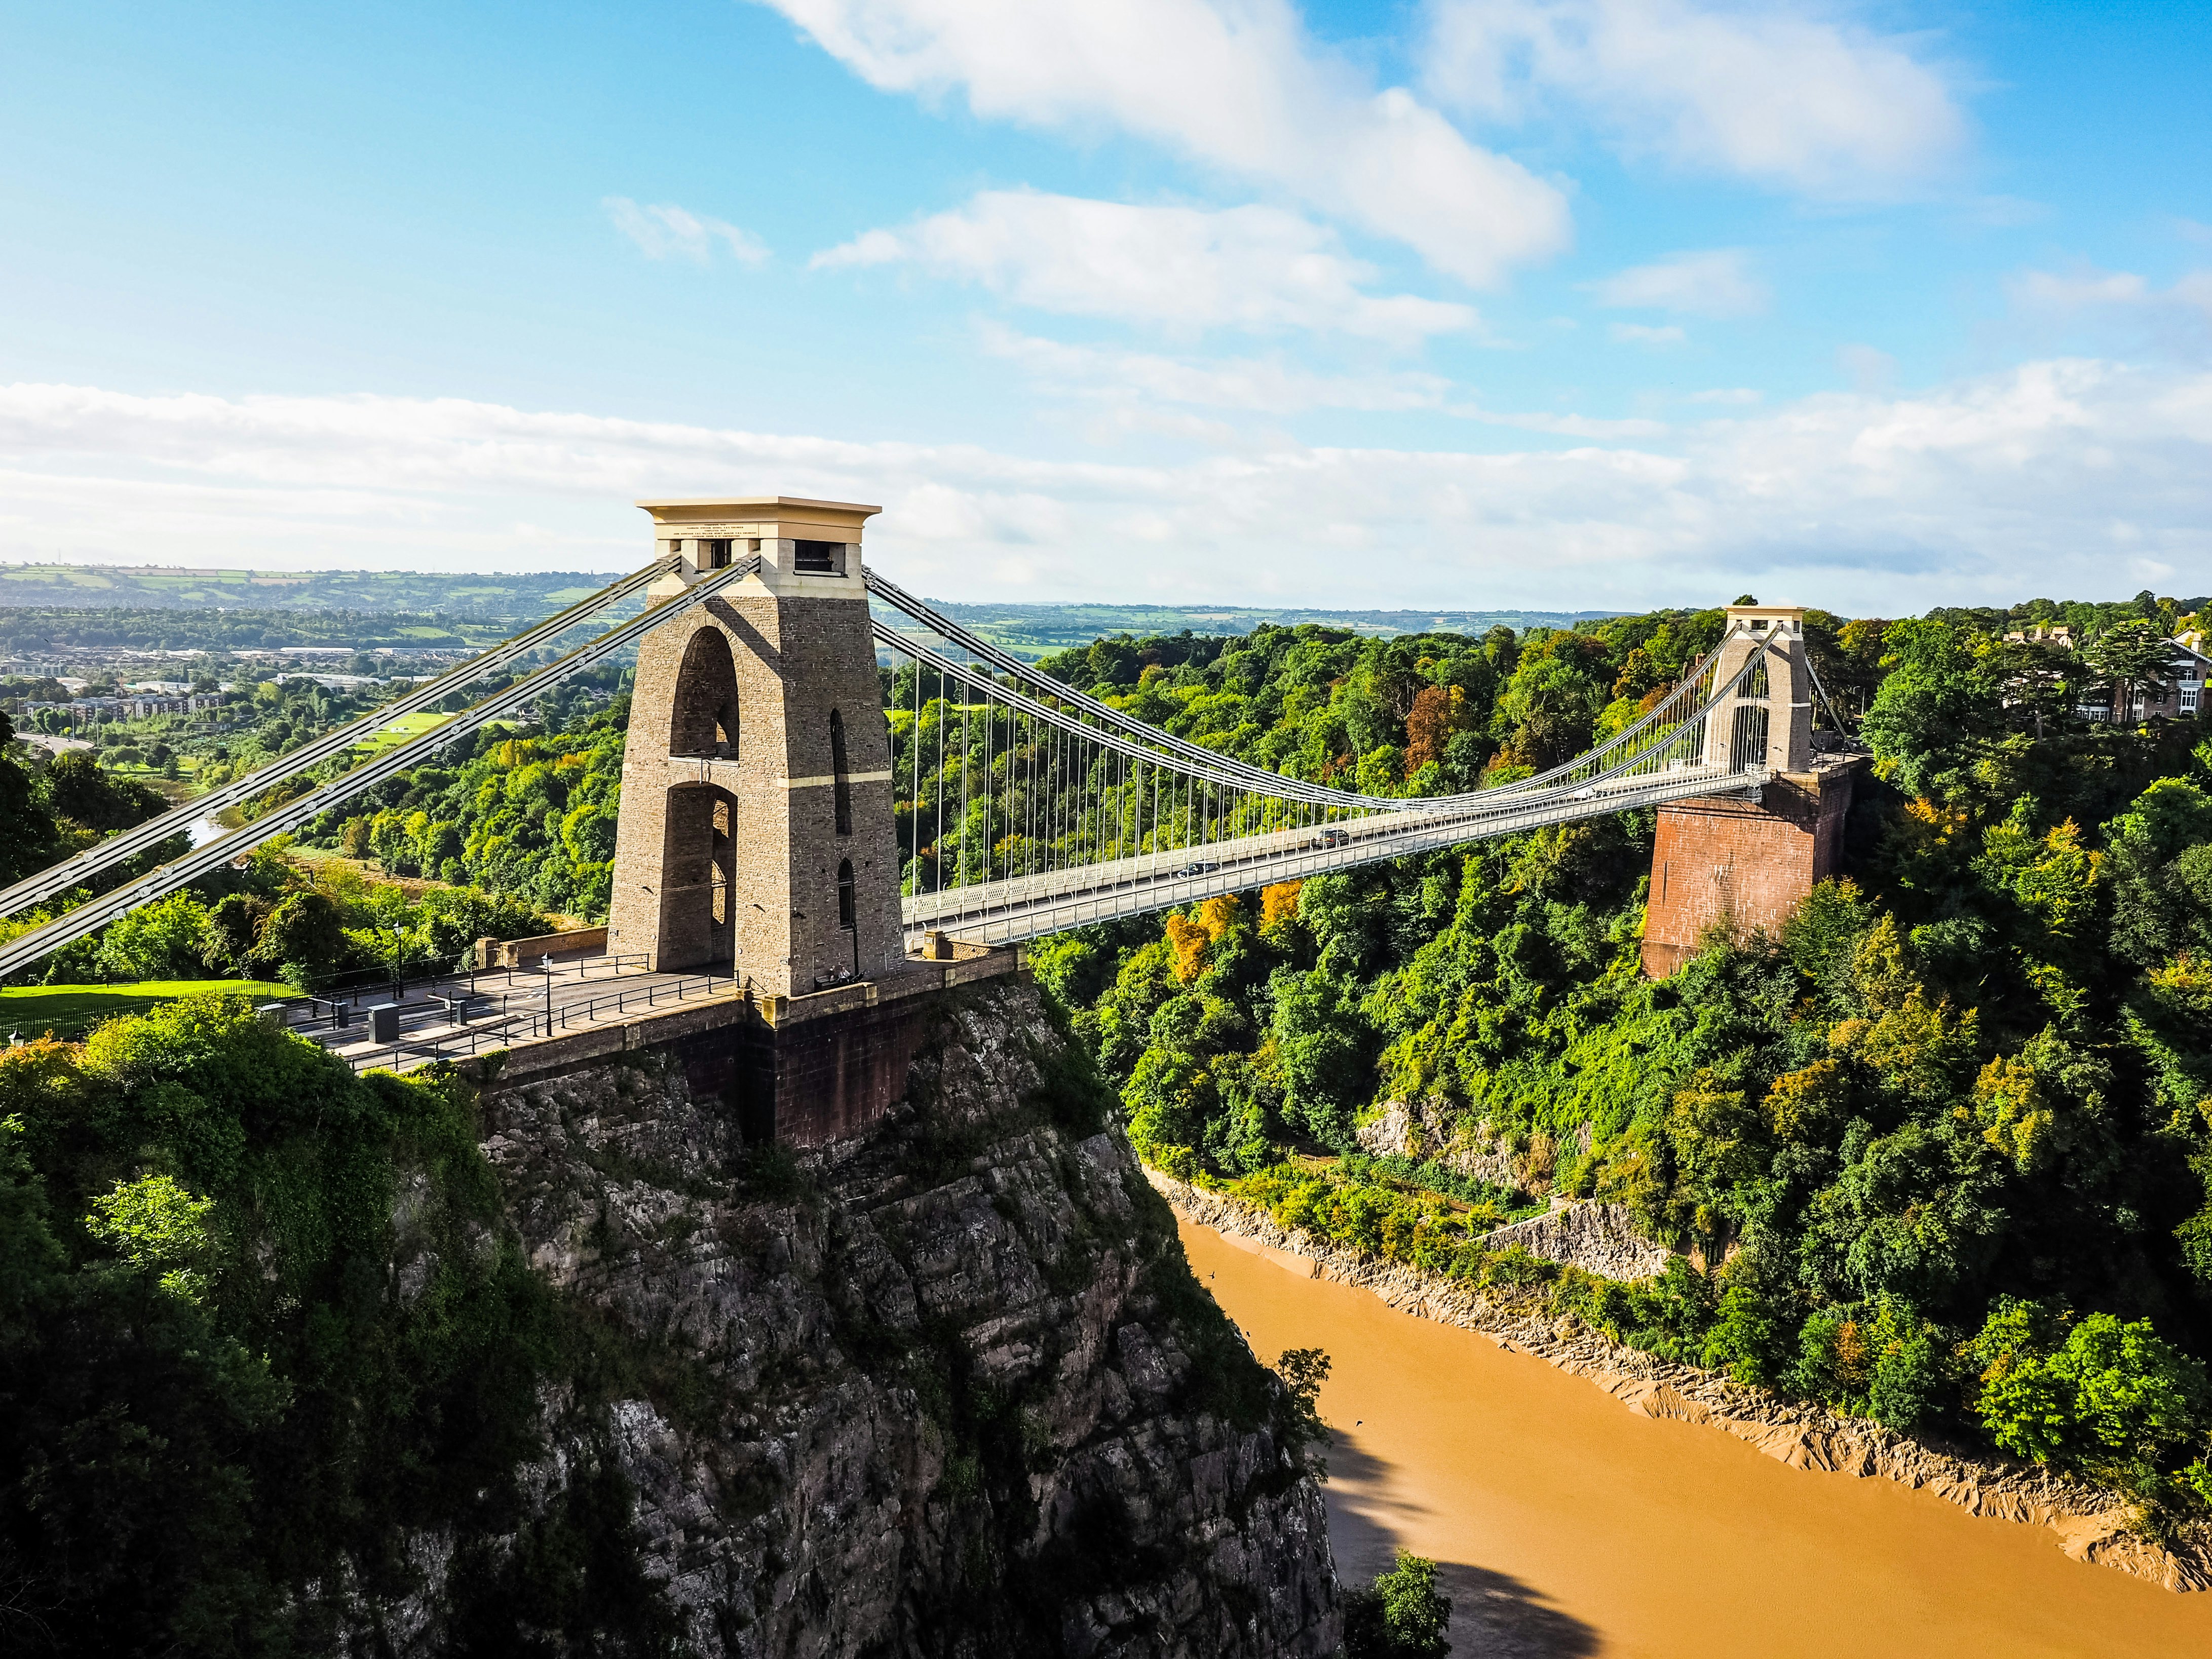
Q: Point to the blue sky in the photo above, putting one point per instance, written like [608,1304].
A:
[1573,302]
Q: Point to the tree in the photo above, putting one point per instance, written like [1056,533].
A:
[1438,712]
[1934,709]
[78,789]
[2136,661]
[1319,1045]
[1303,1370]
[304,938]
[1550,706]
[1401,1615]
[166,939]
[26,833]
[2098,1392]
[232,927]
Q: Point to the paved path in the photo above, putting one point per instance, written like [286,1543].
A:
[464,1014]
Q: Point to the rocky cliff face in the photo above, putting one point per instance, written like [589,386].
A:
[949,1389]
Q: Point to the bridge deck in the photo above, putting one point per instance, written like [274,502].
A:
[1028,907]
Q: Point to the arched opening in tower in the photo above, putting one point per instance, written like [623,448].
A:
[705,722]
[1747,742]
[698,873]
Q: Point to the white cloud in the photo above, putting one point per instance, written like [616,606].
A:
[1643,334]
[1235,84]
[1714,284]
[2088,288]
[1775,94]
[1261,385]
[2045,290]
[664,231]
[1742,395]
[1178,267]
[1988,489]
[1869,368]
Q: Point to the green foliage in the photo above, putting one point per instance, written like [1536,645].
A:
[1401,1615]
[1932,709]
[1303,1370]
[2091,1391]
[155,1224]
[217,1408]
[166,939]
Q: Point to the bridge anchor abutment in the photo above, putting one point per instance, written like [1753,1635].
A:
[1741,864]
[802,1071]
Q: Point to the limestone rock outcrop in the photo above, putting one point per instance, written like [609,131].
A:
[944,1390]
[1598,1238]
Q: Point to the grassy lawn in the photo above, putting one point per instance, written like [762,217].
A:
[403,730]
[70,1010]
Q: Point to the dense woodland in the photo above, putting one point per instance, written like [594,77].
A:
[1945,1141]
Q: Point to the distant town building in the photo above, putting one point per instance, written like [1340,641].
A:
[92,710]
[2059,636]
[2180,697]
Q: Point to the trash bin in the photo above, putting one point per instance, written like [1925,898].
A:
[383,1023]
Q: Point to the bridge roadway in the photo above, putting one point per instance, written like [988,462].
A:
[1027,907]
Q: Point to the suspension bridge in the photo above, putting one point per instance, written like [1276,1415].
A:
[825,779]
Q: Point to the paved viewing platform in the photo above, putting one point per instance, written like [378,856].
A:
[461,1015]
[455,1016]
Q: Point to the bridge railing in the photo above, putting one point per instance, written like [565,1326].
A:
[525,1022]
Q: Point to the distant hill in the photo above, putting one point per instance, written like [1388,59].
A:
[1037,630]
[166,607]
[167,587]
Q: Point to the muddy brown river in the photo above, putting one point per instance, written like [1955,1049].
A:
[1565,1524]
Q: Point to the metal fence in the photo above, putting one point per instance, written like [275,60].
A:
[506,1028]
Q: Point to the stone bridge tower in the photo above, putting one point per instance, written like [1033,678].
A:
[756,834]
[1771,722]
[1743,864]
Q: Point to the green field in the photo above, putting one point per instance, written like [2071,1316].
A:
[32,1010]
[403,730]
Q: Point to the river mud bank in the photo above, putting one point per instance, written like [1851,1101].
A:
[2090,1523]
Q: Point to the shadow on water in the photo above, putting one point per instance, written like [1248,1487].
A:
[1494,1615]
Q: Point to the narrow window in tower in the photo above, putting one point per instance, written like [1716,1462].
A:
[818,558]
[848,907]
[1756,685]
[719,854]
[841,787]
